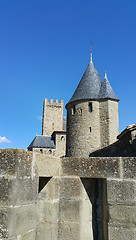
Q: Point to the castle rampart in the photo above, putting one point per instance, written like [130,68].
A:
[54,198]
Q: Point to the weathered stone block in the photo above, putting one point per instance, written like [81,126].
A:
[68,231]
[50,211]
[17,162]
[86,231]
[91,167]
[129,167]
[44,231]
[70,187]
[85,211]
[121,233]
[121,192]
[122,215]
[70,166]
[24,190]
[8,161]
[3,223]
[19,220]
[51,189]
[99,167]
[47,166]
[28,236]
[69,210]
[18,191]
[47,231]
[5,185]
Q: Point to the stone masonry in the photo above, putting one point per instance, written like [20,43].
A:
[52,117]
[50,198]
[92,115]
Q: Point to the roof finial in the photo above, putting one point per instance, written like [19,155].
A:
[105,75]
[91,56]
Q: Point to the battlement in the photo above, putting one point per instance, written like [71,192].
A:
[51,101]
[52,116]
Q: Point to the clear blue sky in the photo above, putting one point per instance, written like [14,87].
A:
[45,49]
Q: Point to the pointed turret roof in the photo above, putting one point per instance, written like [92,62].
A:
[106,90]
[89,86]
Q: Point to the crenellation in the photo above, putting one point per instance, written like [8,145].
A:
[52,117]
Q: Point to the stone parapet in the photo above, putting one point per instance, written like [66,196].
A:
[45,197]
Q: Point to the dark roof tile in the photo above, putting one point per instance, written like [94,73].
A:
[91,86]
[42,142]
[106,90]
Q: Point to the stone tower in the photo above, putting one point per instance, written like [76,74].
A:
[52,117]
[92,115]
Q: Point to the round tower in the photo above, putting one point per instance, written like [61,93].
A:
[89,115]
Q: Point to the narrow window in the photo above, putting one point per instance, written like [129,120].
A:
[90,107]
[41,150]
[90,129]
[62,138]
[73,110]
[50,151]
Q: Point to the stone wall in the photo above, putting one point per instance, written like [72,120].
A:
[52,116]
[49,198]
[18,195]
[88,131]
[83,128]
[113,120]
[47,151]
[119,192]
[60,143]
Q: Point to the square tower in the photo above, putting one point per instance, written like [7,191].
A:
[52,117]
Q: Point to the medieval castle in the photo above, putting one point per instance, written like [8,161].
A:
[78,179]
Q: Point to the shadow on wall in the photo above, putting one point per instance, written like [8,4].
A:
[96,191]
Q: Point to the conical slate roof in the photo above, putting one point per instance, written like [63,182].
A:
[91,86]
[106,90]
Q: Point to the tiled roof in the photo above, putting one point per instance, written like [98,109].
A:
[42,142]
[106,90]
[91,86]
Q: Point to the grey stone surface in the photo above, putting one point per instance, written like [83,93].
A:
[28,236]
[70,188]
[121,233]
[91,167]
[47,231]
[47,166]
[52,117]
[117,192]
[50,211]
[69,210]
[14,219]
[129,166]
[69,230]
[122,215]
[69,206]
[51,190]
